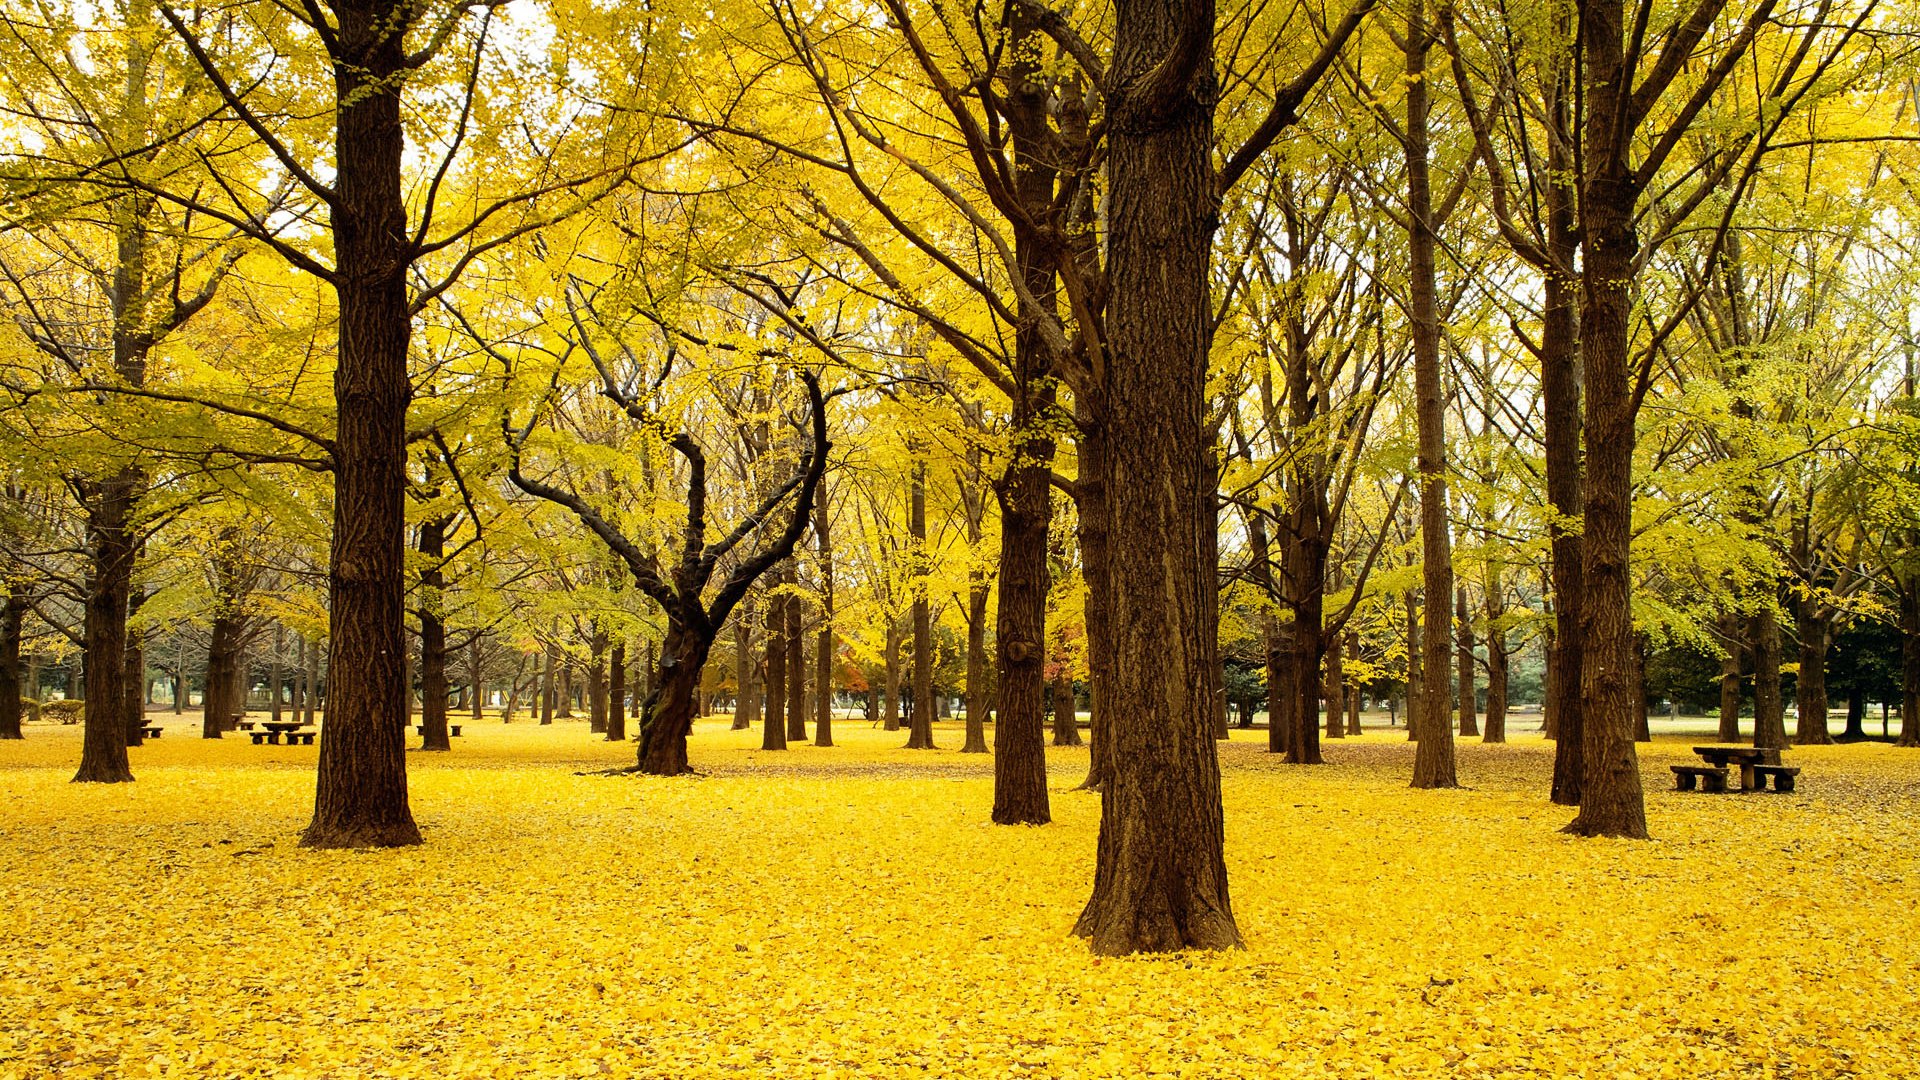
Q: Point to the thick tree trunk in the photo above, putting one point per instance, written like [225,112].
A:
[275,707]
[1066,719]
[672,707]
[1026,510]
[548,690]
[360,797]
[1769,712]
[1730,689]
[1909,664]
[597,682]
[1090,499]
[617,694]
[920,718]
[103,756]
[1499,664]
[134,685]
[976,741]
[313,683]
[1560,400]
[1463,681]
[890,711]
[1336,687]
[1810,687]
[1433,763]
[13,614]
[746,698]
[773,727]
[1160,878]
[433,638]
[1612,802]
[217,703]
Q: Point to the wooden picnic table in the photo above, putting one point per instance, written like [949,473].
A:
[1756,763]
[272,730]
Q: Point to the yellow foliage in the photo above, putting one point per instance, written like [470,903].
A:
[851,912]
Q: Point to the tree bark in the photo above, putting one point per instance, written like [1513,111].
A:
[1433,763]
[217,703]
[1160,878]
[597,681]
[823,649]
[1769,712]
[1909,596]
[773,727]
[1810,689]
[890,712]
[746,698]
[433,637]
[1066,719]
[1468,698]
[920,718]
[1730,689]
[1612,802]
[617,693]
[13,614]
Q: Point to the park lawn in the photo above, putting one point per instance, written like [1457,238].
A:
[851,912]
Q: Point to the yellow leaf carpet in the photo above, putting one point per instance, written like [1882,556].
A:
[851,912]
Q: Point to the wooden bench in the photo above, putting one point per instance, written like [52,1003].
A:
[1685,777]
[453,730]
[304,738]
[151,732]
[265,737]
[244,725]
[1782,778]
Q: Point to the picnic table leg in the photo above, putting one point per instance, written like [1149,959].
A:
[1747,779]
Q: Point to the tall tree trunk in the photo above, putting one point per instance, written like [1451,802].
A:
[1468,698]
[276,707]
[773,727]
[1810,687]
[360,797]
[746,699]
[1612,802]
[549,690]
[217,703]
[564,709]
[1336,686]
[1561,416]
[890,713]
[672,706]
[433,637]
[597,681]
[313,683]
[1160,877]
[13,614]
[1416,681]
[617,693]
[1020,629]
[1769,712]
[1730,689]
[134,684]
[1066,720]
[1090,499]
[103,756]
[920,718]
[1433,763]
[976,701]
[823,649]
[1498,667]
[1909,664]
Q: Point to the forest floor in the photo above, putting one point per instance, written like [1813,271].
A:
[851,912]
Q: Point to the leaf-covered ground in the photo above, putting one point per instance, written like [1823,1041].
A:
[851,912]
